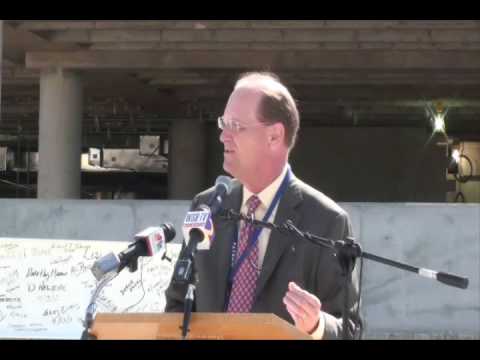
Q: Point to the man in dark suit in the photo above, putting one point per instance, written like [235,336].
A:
[250,270]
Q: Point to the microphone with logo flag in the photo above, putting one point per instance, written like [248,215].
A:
[149,242]
[199,234]
[198,229]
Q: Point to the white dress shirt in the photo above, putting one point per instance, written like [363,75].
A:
[266,197]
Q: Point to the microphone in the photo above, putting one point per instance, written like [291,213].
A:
[201,219]
[222,188]
[148,242]
[198,229]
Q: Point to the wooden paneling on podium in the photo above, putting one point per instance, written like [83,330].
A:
[203,326]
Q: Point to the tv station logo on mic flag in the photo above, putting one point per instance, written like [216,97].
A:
[202,220]
[154,238]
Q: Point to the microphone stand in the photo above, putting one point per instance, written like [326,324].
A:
[187,310]
[348,251]
[185,273]
[132,264]
[92,307]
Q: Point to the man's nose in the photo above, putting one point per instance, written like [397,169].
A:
[225,135]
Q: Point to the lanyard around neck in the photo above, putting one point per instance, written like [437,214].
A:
[254,238]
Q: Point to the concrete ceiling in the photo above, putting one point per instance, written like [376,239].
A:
[352,73]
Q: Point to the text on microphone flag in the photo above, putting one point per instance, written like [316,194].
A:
[202,220]
[197,218]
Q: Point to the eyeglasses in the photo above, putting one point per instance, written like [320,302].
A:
[233,125]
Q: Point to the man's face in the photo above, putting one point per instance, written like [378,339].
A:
[245,145]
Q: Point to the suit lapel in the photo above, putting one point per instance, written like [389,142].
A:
[278,243]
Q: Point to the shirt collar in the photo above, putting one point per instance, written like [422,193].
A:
[266,195]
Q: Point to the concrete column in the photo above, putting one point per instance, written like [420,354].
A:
[60,135]
[187,165]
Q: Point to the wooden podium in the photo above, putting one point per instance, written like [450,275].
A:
[203,326]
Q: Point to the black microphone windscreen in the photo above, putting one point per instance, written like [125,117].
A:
[169,232]
[225,182]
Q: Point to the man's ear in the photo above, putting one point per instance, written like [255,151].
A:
[276,134]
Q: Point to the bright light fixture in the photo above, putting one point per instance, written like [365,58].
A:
[437,115]
[439,123]
[456,155]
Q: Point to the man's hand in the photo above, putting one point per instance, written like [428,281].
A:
[304,307]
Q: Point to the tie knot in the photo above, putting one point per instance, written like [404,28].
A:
[252,204]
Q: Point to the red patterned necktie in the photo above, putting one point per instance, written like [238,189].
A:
[245,281]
